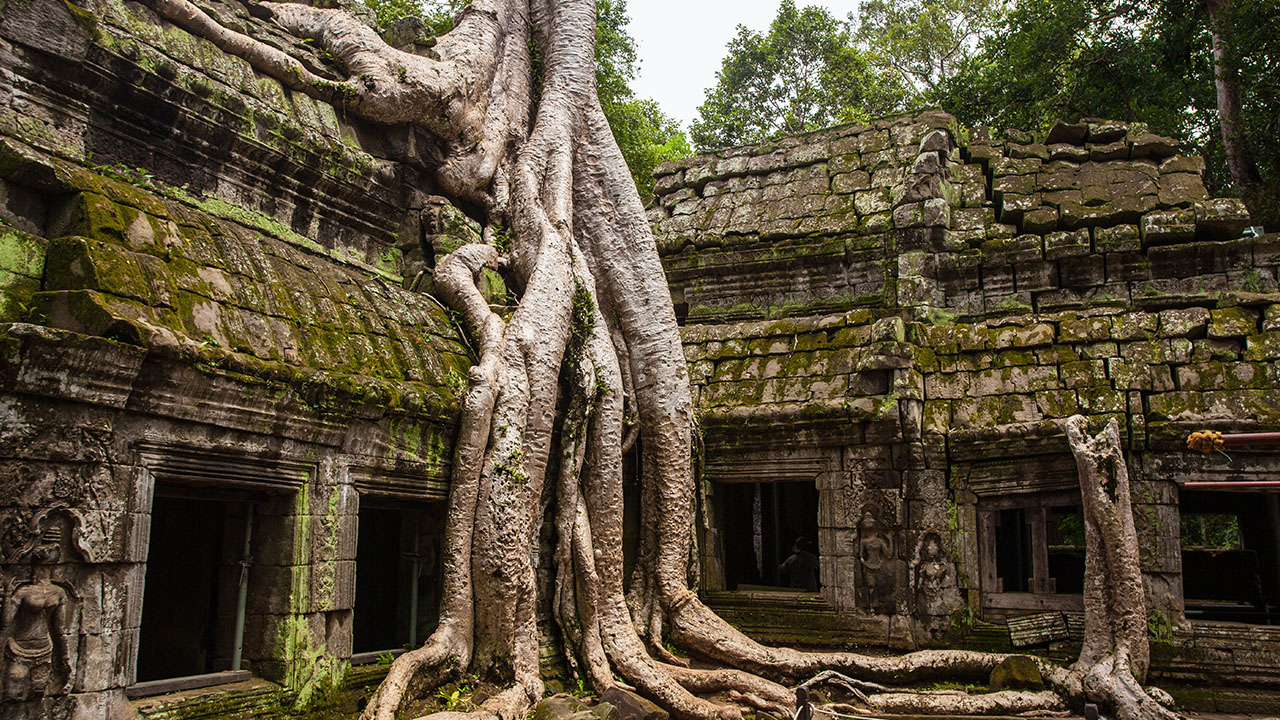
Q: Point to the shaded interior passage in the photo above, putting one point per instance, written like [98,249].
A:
[192,583]
[1014,558]
[1039,547]
[1231,556]
[1064,532]
[397,575]
[761,523]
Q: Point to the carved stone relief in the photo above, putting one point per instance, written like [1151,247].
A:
[38,615]
[878,563]
[933,585]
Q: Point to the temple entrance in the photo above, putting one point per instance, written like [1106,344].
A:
[1032,552]
[397,576]
[1231,556]
[192,597]
[761,523]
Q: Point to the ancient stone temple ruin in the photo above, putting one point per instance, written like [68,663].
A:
[886,326]
[228,396]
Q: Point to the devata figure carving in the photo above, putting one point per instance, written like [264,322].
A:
[35,653]
[875,553]
[931,572]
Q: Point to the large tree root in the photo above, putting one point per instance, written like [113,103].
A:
[956,702]
[511,101]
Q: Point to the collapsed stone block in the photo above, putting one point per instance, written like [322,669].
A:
[1067,133]
[1170,226]
[1220,218]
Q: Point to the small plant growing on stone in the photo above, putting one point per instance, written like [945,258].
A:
[457,697]
[1253,281]
[31,313]
[137,177]
[1158,626]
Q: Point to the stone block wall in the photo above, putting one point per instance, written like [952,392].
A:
[799,226]
[208,285]
[1018,281]
[207,280]
[836,401]
[114,86]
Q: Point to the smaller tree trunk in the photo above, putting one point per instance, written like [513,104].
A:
[1115,655]
[1244,172]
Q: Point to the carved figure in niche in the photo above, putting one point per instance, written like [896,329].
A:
[875,555]
[932,572]
[35,653]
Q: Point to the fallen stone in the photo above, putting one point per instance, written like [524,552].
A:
[1221,218]
[1102,152]
[564,707]
[1016,672]
[1107,131]
[1069,152]
[605,711]
[631,706]
[1150,145]
[1070,133]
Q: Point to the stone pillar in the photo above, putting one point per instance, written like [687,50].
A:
[1157,521]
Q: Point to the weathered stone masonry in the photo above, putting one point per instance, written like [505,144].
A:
[213,294]
[901,313]
[207,296]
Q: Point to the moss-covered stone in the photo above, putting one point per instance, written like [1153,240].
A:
[22,258]
[1232,322]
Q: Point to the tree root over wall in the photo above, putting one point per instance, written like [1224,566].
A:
[509,95]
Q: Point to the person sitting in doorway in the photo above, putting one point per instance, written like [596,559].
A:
[802,567]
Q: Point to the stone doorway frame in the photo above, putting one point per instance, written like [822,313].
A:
[283,481]
[1041,596]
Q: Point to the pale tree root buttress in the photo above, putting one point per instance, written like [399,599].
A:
[510,97]
[1115,656]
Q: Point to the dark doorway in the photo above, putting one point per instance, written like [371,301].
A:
[1065,535]
[1231,556]
[192,582]
[761,523]
[397,576]
[1014,559]
[1040,549]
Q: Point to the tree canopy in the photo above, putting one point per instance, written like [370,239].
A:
[924,42]
[804,73]
[1188,68]
[1147,62]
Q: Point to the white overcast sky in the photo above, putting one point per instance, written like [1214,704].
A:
[682,43]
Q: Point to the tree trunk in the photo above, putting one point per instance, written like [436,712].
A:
[1226,79]
[1114,658]
[595,322]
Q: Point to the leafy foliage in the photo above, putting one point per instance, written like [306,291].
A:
[1064,59]
[1150,62]
[805,73]
[1070,530]
[439,14]
[1252,29]
[924,42]
[1210,530]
